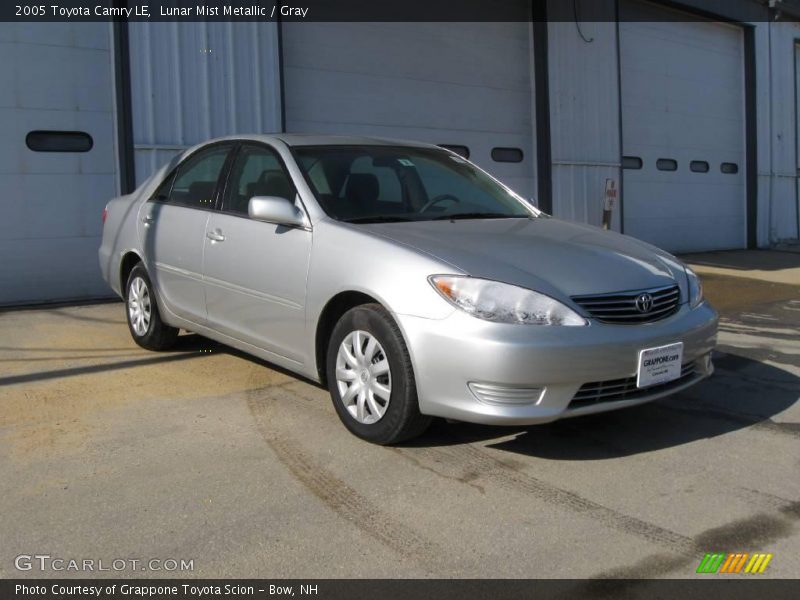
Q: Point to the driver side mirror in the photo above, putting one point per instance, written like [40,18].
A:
[274,209]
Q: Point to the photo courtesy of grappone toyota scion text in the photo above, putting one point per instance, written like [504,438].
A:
[408,280]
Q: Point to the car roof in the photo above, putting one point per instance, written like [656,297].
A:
[309,139]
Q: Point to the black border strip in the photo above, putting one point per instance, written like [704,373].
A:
[122,77]
[281,78]
[621,183]
[736,587]
[359,10]
[541,77]
[751,137]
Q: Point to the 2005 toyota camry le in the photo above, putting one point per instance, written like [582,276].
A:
[406,278]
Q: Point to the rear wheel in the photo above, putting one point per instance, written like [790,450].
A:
[144,320]
[371,379]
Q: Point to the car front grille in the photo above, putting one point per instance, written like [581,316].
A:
[625,307]
[614,390]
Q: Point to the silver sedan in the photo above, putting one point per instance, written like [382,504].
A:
[411,282]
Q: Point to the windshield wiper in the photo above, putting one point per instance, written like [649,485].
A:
[477,215]
[379,219]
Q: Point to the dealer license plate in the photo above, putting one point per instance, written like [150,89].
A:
[659,365]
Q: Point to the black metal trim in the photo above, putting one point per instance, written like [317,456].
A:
[751,136]
[735,12]
[541,76]
[621,183]
[122,82]
[281,79]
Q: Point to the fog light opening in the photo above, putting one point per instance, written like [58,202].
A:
[505,395]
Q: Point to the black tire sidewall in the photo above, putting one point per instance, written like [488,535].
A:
[403,404]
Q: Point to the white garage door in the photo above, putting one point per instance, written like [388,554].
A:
[56,94]
[461,84]
[683,124]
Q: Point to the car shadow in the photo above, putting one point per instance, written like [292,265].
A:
[743,393]
[194,342]
[745,260]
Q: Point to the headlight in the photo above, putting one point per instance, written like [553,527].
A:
[503,303]
[695,288]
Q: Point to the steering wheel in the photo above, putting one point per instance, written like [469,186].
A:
[439,198]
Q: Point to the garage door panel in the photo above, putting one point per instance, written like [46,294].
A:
[681,135]
[404,51]
[399,104]
[682,99]
[679,236]
[57,76]
[699,200]
[15,157]
[53,205]
[71,35]
[61,269]
[83,84]
[443,83]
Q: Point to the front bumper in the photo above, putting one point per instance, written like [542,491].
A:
[452,353]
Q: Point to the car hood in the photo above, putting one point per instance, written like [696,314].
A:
[546,254]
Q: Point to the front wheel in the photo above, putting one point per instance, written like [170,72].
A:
[144,320]
[371,379]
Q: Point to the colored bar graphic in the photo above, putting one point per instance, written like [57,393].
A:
[741,562]
[717,562]
[711,563]
[731,560]
[703,563]
[758,563]
[764,564]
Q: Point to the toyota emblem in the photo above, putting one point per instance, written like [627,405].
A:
[644,303]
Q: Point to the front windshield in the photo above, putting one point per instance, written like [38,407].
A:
[373,184]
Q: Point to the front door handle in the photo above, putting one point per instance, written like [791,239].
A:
[215,236]
[147,219]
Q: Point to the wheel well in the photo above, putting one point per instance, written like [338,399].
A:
[333,311]
[130,260]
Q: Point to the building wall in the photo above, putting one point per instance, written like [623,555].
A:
[223,78]
[778,159]
[584,117]
[192,81]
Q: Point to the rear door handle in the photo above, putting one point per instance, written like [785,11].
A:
[215,236]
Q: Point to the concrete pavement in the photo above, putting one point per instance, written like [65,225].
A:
[108,451]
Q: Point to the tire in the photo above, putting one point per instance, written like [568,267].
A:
[150,332]
[379,418]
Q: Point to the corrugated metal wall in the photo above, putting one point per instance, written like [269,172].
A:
[584,118]
[778,158]
[194,81]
